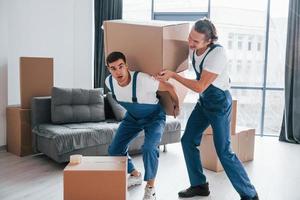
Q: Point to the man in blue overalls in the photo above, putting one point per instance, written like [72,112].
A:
[136,92]
[212,108]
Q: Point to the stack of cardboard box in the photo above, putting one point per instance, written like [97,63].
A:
[242,144]
[151,47]
[36,79]
[96,178]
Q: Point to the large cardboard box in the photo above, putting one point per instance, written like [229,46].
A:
[150,47]
[233,120]
[242,144]
[96,178]
[18,130]
[36,78]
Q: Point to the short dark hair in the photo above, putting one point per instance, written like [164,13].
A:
[114,56]
[206,27]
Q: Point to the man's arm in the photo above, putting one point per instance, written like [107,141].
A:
[196,85]
[166,86]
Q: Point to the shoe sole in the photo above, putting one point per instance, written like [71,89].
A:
[133,185]
[198,195]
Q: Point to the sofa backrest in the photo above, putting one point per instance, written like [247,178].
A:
[41,110]
[74,105]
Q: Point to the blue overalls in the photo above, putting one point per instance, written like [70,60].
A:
[148,117]
[213,108]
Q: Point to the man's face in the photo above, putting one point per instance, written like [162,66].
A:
[119,70]
[197,40]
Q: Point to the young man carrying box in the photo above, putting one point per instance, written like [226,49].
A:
[136,92]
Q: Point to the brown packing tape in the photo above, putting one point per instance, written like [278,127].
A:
[36,78]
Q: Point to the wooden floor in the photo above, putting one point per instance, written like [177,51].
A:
[275,172]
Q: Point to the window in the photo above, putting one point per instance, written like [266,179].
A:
[258,46]
[229,44]
[277,43]
[249,63]
[239,69]
[230,64]
[136,10]
[259,106]
[230,41]
[249,107]
[249,46]
[259,43]
[180,6]
[250,41]
[240,42]
[234,22]
[273,112]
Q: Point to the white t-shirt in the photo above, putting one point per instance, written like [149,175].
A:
[215,62]
[146,88]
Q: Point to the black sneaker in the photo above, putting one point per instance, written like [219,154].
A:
[200,190]
[253,198]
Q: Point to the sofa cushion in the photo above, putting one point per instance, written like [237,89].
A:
[118,110]
[70,137]
[77,105]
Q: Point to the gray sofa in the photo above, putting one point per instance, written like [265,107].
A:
[67,124]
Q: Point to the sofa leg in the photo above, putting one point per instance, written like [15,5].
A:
[165,148]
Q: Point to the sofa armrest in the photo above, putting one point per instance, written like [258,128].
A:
[40,114]
[41,110]
[109,115]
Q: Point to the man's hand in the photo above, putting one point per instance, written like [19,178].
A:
[164,75]
[166,86]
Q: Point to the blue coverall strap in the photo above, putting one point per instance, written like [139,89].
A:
[112,87]
[194,66]
[198,75]
[134,98]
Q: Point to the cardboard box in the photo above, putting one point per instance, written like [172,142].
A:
[242,144]
[96,178]
[165,98]
[150,47]
[233,120]
[36,78]
[246,144]
[18,130]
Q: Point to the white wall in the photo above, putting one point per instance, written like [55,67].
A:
[62,29]
[84,44]
[3,69]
